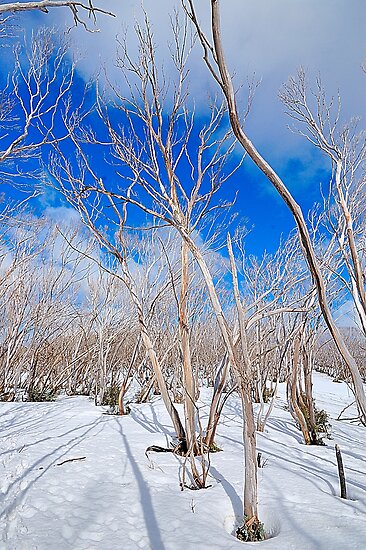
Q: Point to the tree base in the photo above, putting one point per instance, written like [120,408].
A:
[251,531]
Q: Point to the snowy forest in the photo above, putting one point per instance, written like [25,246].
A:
[169,378]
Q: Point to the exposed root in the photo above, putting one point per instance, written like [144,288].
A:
[179,449]
[251,531]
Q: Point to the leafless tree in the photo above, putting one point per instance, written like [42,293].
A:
[345,147]
[40,82]
[153,152]
[214,58]
[78,9]
[39,284]
[318,120]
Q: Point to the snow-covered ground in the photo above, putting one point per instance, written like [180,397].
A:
[115,498]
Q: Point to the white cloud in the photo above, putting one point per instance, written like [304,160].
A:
[346,315]
[266,37]
[65,215]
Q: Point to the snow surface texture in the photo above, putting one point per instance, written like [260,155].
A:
[115,498]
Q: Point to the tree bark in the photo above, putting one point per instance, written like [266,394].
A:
[299,416]
[188,379]
[249,433]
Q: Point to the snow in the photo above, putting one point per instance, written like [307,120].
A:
[113,497]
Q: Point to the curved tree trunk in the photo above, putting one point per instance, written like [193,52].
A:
[172,411]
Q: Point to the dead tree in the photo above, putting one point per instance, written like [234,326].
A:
[214,57]
[151,165]
[29,104]
[77,8]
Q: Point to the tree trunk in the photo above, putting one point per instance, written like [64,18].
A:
[188,379]
[249,434]
[307,365]
[172,411]
[250,456]
[213,416]
[299,416]
[249,491]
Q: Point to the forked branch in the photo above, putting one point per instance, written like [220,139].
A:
[76,8]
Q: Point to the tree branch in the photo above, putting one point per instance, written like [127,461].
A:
[44,5]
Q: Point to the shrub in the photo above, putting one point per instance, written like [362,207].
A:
[213,448]
[251,531]
[322,425]
[110,397]
[37,395]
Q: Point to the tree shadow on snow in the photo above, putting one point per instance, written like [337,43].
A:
[145,497]
[229,489]
[286,427]
[17,485]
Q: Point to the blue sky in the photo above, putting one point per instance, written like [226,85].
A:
[268,38]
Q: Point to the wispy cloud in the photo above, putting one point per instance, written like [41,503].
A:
[270,39]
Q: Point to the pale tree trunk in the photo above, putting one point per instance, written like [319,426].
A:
[213,416]
[261,422]
[145,390]
[250,456]
[103,351]
[250,491]
[249,433]
[307,367]
[293,392]
[250,485]
[357,276]
[172,411]
[188,379]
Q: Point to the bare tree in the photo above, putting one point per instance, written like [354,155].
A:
[40,82]
[77,9]
[153,152]
[39,287]
[214,58]
[345,147]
